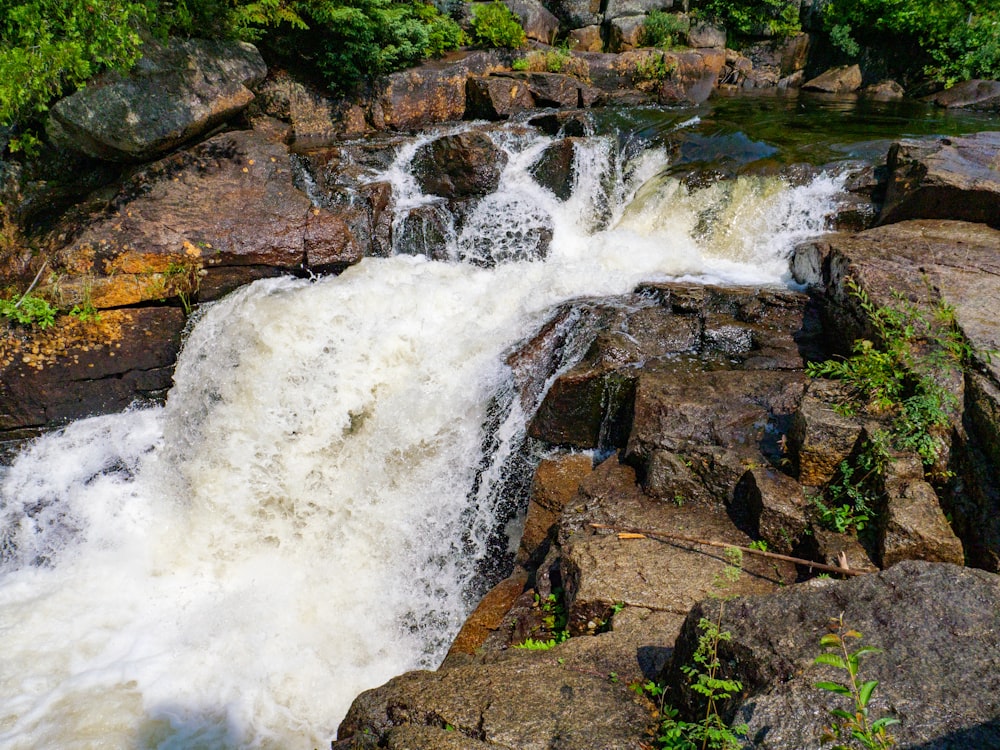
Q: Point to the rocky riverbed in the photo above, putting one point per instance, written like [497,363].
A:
[688,416]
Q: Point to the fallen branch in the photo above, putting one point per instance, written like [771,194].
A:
[31,285]
[627,533]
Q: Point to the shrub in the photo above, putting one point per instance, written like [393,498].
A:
[556,60]
[661,29]
[48,47]
[744,18]
[28,310]
[953,39]
[495,25]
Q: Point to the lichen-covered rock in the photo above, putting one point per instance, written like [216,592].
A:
[840,80]
[625,33]
[928,619]
[618,8]
[173,94]
[587,39]
[575,14]
[703,34]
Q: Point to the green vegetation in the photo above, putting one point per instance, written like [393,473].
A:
[897,378]
[745,18]
[854,724]
[661,29]
[494,25]
[28,310]
[554,622]
[900,376]
[49,48]
[954,40]
[652,71]
[710,732]
[554,60]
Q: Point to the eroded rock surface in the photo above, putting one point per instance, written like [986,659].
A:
[928,619]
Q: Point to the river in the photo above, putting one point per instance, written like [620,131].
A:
[309,512]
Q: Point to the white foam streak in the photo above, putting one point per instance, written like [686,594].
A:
[293,527]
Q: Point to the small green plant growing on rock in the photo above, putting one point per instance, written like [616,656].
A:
[554,621]
[711,732]
[661,29]
[28,310]
[856,724]
[852,496]
[652,71]
[495,25]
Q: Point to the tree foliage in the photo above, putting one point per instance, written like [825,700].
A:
[954,39]
[744,18]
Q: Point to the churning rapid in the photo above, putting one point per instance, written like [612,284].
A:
[305,516]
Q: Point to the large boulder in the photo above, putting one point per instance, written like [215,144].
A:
[199,223]
[944,178]
[929,619]
[496,97]
[538,22]
[975,94]
[527,700]
[845,79]
[459,166]
[175,93]
[618,8]
[432,92]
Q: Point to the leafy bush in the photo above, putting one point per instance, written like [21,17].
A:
[745,18]
[661,29]
[555,60]
[953,39]
[51,46]
[495,25]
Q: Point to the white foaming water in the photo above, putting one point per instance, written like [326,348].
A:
[298,523]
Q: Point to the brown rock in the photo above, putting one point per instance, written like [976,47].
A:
[587,39]
[184,219]
[431,92]
[946,178]
[489,614]
[703,34]
[975,94]
[836,549]
[551,89]
[458,166]
[841,80]
[820,438]
[915,527]
[693,76]
[774,506]
[884,91]
[617,8]
[78,369]
[555,483]
[556,166]
[496,98]
[625,33]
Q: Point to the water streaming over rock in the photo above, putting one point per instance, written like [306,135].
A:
[307,515]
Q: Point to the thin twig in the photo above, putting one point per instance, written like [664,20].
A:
[32,284]
[724,545]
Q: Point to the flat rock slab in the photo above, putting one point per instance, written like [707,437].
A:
[938,626]
[944,178]
[77,369]
[526,702]
[975,94]
[175,93]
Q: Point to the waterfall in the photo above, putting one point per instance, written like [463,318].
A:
[304,517]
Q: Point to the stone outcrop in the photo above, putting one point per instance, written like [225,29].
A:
[926,261]
[928,619]
[81,368]
[945,178]
[459,166]
[496,97]
[175,93]
[842,80]
[976,94]
[538,22]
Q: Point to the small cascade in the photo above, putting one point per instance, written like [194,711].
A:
[329,482]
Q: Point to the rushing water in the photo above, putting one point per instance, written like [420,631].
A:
[305,517]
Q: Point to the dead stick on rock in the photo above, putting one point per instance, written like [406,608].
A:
[627,533]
